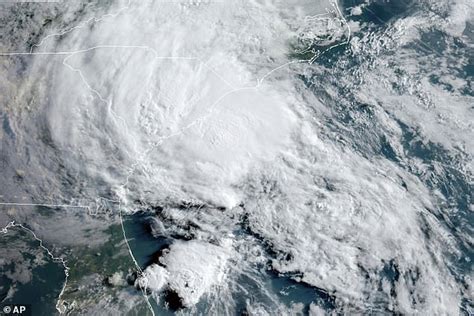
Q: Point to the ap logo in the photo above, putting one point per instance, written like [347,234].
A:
[16,310]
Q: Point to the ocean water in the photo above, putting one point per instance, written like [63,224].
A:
[47,278]
[267,158]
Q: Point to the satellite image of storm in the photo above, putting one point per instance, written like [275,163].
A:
[236,157]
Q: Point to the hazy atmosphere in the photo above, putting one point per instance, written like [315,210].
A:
[247,157]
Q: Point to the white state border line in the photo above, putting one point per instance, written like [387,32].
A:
[61,260]
[69,54]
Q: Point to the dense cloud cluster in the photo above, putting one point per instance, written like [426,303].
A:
[335,174]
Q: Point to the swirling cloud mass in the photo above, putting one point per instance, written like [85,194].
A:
[323,145]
